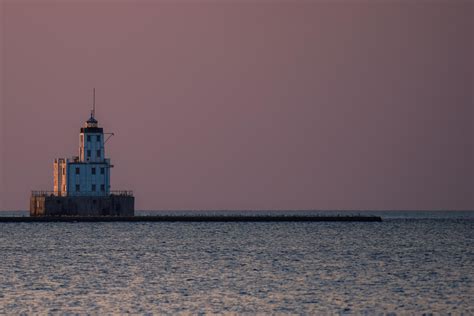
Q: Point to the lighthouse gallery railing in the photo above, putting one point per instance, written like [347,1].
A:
[91,193]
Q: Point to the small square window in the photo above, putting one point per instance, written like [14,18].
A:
[93,188]
[98,138]
[93,170]
[102,170]
[102,187]
[78,171]
[88,138]
[78,188]
[98,154]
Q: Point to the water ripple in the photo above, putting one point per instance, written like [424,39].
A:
[398,266]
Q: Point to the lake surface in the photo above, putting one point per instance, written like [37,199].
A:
[412,262]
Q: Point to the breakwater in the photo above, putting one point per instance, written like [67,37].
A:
[197,218]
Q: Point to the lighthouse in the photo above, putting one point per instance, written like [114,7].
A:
[89,173]
[82,183]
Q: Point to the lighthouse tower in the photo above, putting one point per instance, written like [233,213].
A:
[82,183]
[89,173]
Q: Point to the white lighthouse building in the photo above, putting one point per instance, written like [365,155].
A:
[89,173]
[82,183]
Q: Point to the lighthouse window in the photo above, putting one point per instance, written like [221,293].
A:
[93,188]
[78,188]
[78,171]
[98,154]
[98,138]
[102,187]
[93,170]
[102,170]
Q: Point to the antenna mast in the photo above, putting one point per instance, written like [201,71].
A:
[93,103]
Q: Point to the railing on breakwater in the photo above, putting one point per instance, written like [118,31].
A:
[81,194]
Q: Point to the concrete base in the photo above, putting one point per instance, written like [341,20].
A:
[112,205]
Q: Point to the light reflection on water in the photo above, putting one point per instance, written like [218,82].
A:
[397,266]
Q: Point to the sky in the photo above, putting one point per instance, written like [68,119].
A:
[245,104]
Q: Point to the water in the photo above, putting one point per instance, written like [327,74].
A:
[410,263]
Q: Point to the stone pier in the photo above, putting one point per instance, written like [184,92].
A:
[110,205]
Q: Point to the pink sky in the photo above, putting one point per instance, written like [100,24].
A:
[245,104]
